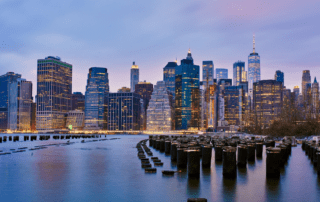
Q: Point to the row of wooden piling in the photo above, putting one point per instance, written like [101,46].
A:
[312,150]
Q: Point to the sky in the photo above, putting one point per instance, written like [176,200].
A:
[114,33]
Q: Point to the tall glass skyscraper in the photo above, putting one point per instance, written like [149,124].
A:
[96,96]
[187,95]
[239,73]
[134,77]
[144,89]
[169,77]
[54,91]
[207,73]
[20,104]
[253,68]
[279,76]
[306,80]
[5,81]
[221,74]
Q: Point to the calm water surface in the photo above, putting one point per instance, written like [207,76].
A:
[111,171]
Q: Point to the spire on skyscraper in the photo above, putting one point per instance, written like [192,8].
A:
[189,56]
[315,80]
[254,44]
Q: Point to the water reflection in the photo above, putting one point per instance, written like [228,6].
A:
[193,187]
[229,189]
[272,188]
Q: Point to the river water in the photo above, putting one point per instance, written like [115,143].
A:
[111,171]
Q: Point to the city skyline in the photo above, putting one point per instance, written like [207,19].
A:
[200,25]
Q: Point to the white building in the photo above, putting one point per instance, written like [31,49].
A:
[159,110]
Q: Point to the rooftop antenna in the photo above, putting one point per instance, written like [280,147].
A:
[254,43]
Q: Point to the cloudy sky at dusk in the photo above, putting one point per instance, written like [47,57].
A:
[114,33]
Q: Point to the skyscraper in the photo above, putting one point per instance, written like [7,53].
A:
[124,111]
[253,68]
[296,93]
[97,90]
[279,76]
[144,89]
[5,81]
[221,74]
[239,73]
[54,91]
[267,99]
[20,104]
[159,110]
[187,95]
[169,77]
[306,79]
[134,77]
[207,73]
[234,104]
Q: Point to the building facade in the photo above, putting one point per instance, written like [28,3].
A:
[124,90]
[159,117]
[253,68]
[97,90]
[267,99]
[234,105]
[315,96]
[54,91]
[134,76]
[124,111]
[20,105]
[169,77]
[187,95]
[144,89]
[5,81]
[78,100]
[207,73]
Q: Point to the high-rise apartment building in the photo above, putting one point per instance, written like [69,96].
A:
[159,117]
[279,76]
[97,90]
[5,81]
[134,76]
[124,111]
[253,68]
[187,95]
[306,79]
[239,73]
[54,91]
[20,105]
[78,100]
[144,89]
[221,74]
[267,99]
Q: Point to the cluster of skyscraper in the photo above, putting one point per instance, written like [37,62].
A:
[180,102]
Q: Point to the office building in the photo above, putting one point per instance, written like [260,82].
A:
[20,105]
[78,100]
[124,111]
[54,91]
[315,95]
[207,73]
[5,81]
[134,76]
[239,73]
[267,99]
[159,112]
[253,68]
[144,89]
[97,90]
[234,105]
[221,74]
[124,90]
[187,95]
